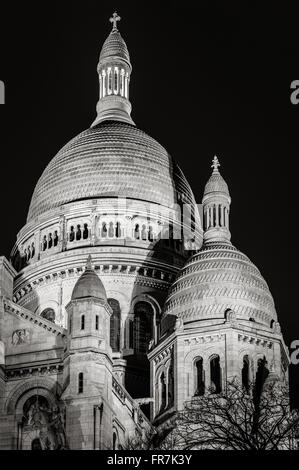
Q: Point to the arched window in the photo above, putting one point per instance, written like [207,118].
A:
[162,394]
[143,326]
[171,382]
[78,232]
[109,81]
[220,215]
[118,230]
[137,232]
[55,238]
[45,243]
[215,374]
[245,373]
[48,314]
[104,230]
[80,382]
[115,81]
[72,234]
[70,323]
[114,442]
[85,232]
[97,322]
[261,375]
[214,216]
[114,325]
[82,322]
[36,444]
[199,377]
[50,240]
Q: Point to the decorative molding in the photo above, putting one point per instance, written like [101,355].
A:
[204,339]
[30,317]
[163,354]
[147,276]
[40,371]
[255,340]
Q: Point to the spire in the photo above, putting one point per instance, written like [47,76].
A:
[114,69]
[216,205]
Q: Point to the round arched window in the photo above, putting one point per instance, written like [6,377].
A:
[48,314]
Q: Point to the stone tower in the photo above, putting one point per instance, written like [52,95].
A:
[88,365]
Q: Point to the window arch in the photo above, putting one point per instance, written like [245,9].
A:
[48,314]
[85,231]
[78,232]
[117,230]
[50,240]
[162,392]
[261,376]
[80,382]
[170,391]
[199,384]
[55,240]
[245,373]
[72,234]
[143,326]
[114,325]
[215,374]
[114,442]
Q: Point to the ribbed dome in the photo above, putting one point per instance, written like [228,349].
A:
[217,278]
[216,184]
[89,285]
[114,47]
[112,159]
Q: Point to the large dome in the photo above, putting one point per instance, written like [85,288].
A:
[112,159]
[217,278]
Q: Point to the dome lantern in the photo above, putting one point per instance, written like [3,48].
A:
[114,69]
[216,203]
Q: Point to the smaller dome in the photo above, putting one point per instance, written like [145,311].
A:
[89,285]
[115,47]
[216,183]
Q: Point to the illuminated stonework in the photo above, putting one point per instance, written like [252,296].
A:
[117,305]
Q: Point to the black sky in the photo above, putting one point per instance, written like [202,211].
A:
[208,78]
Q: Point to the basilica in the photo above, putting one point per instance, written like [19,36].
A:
[123,298]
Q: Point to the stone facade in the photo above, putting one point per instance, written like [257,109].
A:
[95,352]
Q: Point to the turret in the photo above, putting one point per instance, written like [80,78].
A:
[114,71]
[216,205]
[88,364]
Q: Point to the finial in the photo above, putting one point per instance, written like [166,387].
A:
[215,164]
[88,262]
[114,19]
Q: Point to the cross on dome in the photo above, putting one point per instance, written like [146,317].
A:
[215,164]
[114,19]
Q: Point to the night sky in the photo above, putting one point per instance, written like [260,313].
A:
[208,78]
